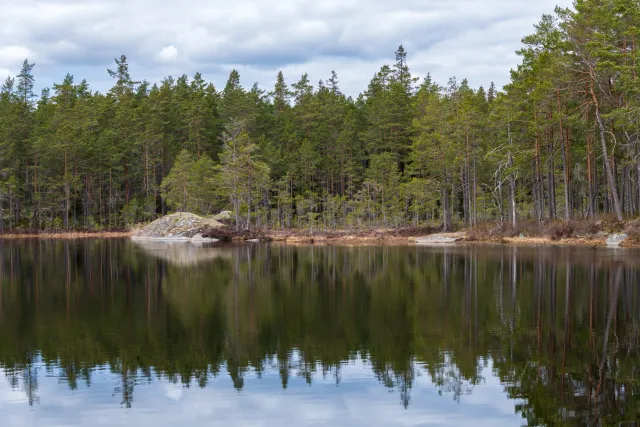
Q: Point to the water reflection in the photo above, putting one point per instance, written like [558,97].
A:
[554,329]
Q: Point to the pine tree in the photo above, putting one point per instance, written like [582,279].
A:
[178,187]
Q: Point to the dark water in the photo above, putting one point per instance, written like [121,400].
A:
[111,333]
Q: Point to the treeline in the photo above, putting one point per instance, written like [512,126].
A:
[559,141]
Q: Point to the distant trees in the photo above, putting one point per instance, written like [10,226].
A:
[559,141]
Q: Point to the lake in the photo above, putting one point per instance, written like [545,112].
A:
[115,333]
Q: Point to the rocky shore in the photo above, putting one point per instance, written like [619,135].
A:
[180,226]
[187,227]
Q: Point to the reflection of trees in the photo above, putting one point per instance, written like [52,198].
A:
[559,325]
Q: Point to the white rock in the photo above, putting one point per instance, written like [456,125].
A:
[197,237]
[253,240]
[615,240]
[437,239]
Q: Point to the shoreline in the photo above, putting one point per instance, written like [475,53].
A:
[509,241]
[374,237]
[68,235]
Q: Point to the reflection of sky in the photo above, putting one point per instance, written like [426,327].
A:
[359,400]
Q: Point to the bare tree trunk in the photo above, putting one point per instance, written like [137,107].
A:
[474,191]
[565,160]
[500,200]
[552,181]
[512,194]
[67,194]
[611,182]
[590,204]
[249,202]
[446,215]
[637,179]
[465,198]
[512,184]
[538,192]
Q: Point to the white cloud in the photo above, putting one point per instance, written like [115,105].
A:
[4,73]
[466,38]
[13,56]
[168,54]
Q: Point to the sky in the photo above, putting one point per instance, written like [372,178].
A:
[473,39]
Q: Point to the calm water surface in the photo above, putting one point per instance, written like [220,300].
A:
[114,333]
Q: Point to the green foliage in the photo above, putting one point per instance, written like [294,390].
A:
[177,188]
[190,185]
[242,176]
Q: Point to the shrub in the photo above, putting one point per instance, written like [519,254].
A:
[561,230]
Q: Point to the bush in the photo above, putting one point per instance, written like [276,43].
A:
[561,230]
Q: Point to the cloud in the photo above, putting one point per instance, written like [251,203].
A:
[13,56]
[168,54]
[4,73]
[467,38]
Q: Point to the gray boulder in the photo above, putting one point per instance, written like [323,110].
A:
[438,239]
[181,225]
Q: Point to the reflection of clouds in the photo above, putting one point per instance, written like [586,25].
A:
[173,391]
[8,395]
[359,400]
[14,410]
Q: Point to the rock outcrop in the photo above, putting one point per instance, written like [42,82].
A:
[439,239]
[177,226]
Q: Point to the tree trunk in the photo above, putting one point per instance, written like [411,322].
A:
[67,194]
[465,198]
[512,195]
[512,184]
[474,191]
[249,200]
[565,160]
[637,178]
[538,187]
[538,190]
[590,206]
[446,218]
[551,178]
[500,199]
[611,182]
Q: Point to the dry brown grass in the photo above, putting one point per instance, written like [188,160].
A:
[68,235]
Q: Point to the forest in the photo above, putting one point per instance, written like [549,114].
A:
[559,141]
